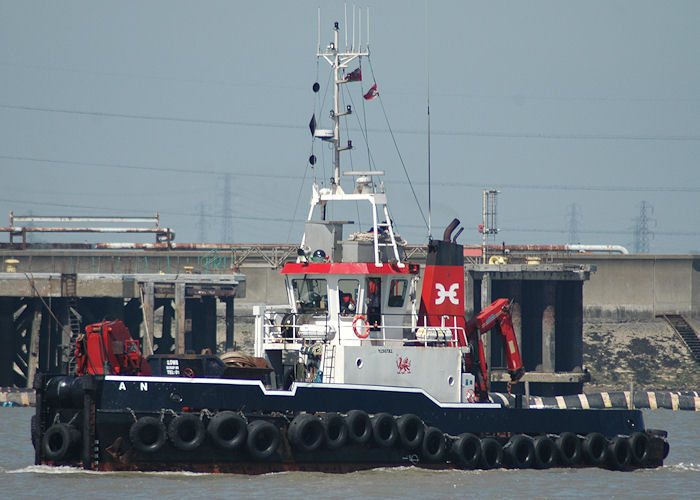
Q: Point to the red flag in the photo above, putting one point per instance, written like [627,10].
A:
[354,76]
[372,92]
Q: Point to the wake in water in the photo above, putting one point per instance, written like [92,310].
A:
[64,469]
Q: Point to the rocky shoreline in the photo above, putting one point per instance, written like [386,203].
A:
[646,354]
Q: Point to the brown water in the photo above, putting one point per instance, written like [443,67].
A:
[679,478]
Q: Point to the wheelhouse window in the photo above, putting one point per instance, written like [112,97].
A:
[347,294]
[397,293]
[310,295]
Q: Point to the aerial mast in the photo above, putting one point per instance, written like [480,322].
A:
[339,60]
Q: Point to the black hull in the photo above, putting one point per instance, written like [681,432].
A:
[101,413]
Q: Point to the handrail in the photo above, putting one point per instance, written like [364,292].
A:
[276,331]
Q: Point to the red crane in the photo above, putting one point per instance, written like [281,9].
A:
[498,313]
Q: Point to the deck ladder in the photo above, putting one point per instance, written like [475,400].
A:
[329,363]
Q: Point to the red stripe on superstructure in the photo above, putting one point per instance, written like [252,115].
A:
[343,268]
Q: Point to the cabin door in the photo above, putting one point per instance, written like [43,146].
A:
[374,303]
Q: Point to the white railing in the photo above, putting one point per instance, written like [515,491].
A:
[278,325]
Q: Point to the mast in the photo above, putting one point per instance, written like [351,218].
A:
[339,60]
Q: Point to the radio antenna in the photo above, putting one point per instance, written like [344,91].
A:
[427,85]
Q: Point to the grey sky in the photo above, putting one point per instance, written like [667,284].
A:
[136,107]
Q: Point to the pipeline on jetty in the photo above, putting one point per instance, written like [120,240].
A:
[687,400]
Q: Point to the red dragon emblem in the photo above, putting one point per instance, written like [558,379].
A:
[403,365]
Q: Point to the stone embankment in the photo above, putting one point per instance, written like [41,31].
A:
[647,354]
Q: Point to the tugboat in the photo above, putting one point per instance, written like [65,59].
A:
[367,366]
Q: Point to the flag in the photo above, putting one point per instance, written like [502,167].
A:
[372,92]
[354,76]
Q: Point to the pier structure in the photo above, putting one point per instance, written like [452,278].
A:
[546,285]
[547,313]
[41,314]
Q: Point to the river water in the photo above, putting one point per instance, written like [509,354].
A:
[678,478]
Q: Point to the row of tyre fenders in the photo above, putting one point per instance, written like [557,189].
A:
[260,439]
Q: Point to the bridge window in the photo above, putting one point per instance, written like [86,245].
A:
[311,295]
[347,293]
[397,293]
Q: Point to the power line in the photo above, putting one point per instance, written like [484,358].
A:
[459,133]
[479,185]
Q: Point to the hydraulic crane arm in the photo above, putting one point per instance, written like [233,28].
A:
[496,313]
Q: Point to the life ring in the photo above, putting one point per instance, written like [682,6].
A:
[354,326]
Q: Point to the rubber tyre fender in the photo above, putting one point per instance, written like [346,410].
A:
[263,439]
[595,449]
[466,450]
[336,430]
[306,432]
[186,432]
[568,449]
[545,452]
[411,431]
[619,453]
[520,451]
[384,430]
[491,454]
[434,447]
[227,430]
[359,426]
[639,443]
[59,441]
[147,434]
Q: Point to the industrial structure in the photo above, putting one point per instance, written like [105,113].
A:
[169,292]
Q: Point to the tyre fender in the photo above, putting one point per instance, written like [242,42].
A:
[595,448]
[186,432]
[59,441]
[227,430]
[263,439]
[639,443]
[411,430]
[545,452]
[384,430]
[434,446]
[568,449]
[359,426]
[520,451]
[466,450]
[491,453]
[147,434]
[336,430]
[306,432]
[619,453]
